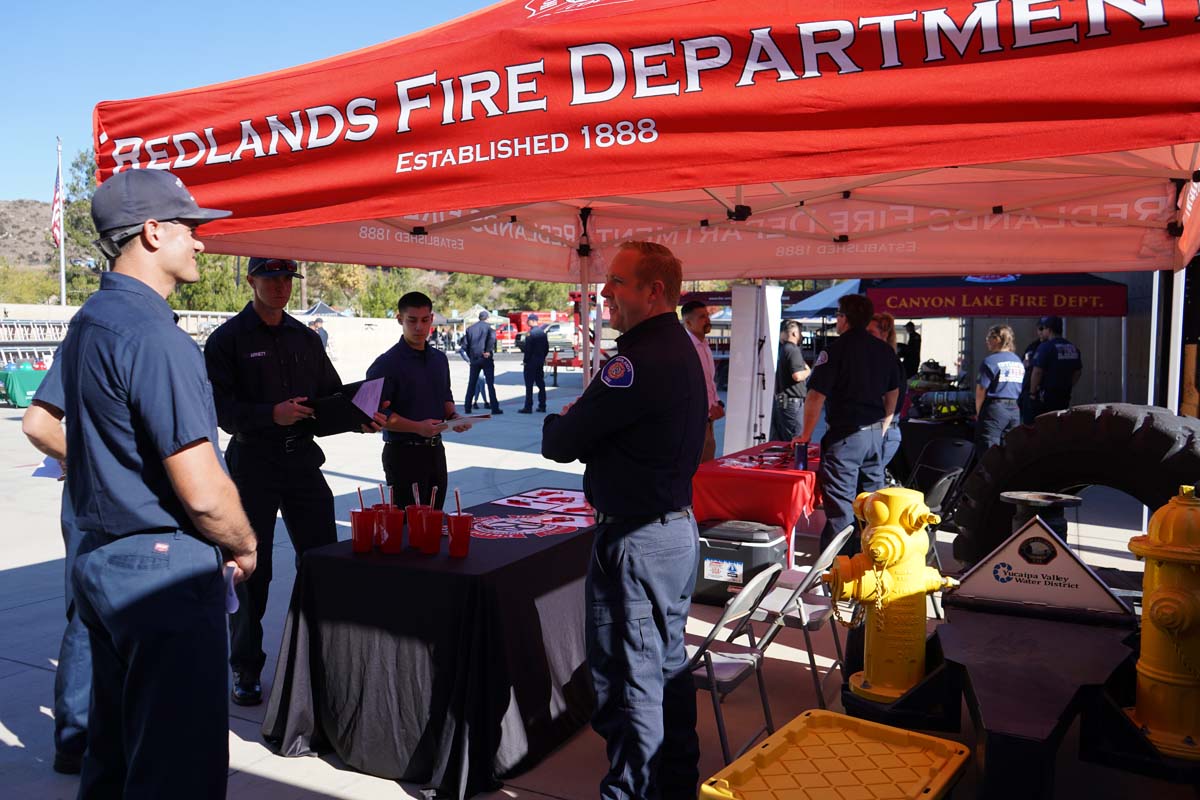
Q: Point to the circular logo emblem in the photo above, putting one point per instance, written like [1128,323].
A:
[616,370]
[516,527]
[1002,572]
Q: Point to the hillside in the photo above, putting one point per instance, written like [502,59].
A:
[24,225]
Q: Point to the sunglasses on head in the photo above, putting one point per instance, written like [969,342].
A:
[278,264]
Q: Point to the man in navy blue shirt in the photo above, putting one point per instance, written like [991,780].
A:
[854,379]
[535,347]
[479,342]
[639,427]
[159,516]
[420,403]
[1057,366]
[42,425]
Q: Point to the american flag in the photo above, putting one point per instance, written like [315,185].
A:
[56,210]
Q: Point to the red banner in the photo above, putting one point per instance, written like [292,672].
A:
[1001,301]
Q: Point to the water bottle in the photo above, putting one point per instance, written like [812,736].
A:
[800,455]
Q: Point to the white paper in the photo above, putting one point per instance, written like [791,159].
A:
[231,598]
[50,468]
[366,399]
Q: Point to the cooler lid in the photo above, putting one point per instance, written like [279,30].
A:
[739,530]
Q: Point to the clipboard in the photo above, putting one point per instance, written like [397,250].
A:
[338,413]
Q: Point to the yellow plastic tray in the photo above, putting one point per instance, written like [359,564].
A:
[823,755]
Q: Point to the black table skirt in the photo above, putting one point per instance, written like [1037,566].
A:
[451,673]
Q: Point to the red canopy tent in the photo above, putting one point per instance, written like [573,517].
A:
[763,139]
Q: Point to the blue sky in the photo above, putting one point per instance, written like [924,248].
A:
[60,59]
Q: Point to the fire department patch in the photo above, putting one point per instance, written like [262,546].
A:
[517,527]
[618,373]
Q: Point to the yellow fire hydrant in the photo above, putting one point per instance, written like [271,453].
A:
[1168,667]
[889,580]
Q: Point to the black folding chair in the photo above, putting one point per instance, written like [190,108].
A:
[939,473]
[804,609]
[720,667]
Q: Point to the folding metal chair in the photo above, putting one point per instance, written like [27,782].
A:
[721,670]
[806,610]
[939,474]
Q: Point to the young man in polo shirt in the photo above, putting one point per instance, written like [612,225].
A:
[421,405]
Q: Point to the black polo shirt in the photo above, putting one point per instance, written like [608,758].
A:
[418,381]
[639,426]
[253,366]
[135,393]
[854,373]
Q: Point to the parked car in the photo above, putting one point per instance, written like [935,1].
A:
[506,337]
[561,335]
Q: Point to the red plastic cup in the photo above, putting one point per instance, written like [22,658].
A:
[413,514]
[391,530]
[460,533]
[362,530]
[431,531]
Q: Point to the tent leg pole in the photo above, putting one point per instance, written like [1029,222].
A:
[1124,359]
[1151,377]
[585,313]
[1176,351]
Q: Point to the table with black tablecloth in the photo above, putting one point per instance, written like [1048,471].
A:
[450,673]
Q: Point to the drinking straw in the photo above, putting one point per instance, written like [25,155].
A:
[392,489]
[458,502]
[361,504]
[416,493]
[382,496]
[433,497]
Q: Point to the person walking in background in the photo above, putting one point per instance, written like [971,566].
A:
[534,347]
[480,345]
[997,389]
[790,374]
[912,351]
[1057,366]
[696,320]
[883,327]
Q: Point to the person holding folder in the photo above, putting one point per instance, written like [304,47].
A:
[420,404]
[264,366]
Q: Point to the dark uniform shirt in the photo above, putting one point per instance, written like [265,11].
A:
[854,372]
[535,345]
[135,393]
[254,366]
[479,339]
[1059,360]
[639,425]
[418,383]
[1001,375]
[791,361]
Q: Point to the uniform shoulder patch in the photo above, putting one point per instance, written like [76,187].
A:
[822,358]
[617,373]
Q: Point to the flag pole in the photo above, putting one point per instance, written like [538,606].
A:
[62,240]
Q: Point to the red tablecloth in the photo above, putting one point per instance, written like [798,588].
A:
[758,485]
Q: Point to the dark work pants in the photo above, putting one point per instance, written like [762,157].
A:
[73,677]
[488,367]
[406,464]
[787,420]
[154,605]
[535,375]
[639,589]
[995,420]
[851,462]
[270,480]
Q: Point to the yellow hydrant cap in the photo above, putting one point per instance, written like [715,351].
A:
[1174,530]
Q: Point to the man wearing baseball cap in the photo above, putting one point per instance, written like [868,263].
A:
[264,365]
[159,517]
[1057,366]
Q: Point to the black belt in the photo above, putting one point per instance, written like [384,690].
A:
[610,519]
[787,398]
[855,428]
[413,439]
[288,444]
[1008,401]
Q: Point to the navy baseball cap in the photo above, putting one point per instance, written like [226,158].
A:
[129,198]
[1053,323]
[270,267]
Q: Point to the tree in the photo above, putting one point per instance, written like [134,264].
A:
[336,284]
[464,290]
[35,286]
[79,232]
[383,289]
[534,295]
[217,290]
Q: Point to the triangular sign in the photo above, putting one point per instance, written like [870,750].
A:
[1035,568]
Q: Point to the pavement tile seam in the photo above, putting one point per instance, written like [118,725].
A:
[27,664]
[47,599]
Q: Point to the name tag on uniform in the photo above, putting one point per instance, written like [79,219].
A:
[618,373]
[258,354]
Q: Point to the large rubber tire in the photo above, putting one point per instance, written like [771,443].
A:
[1144,451]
